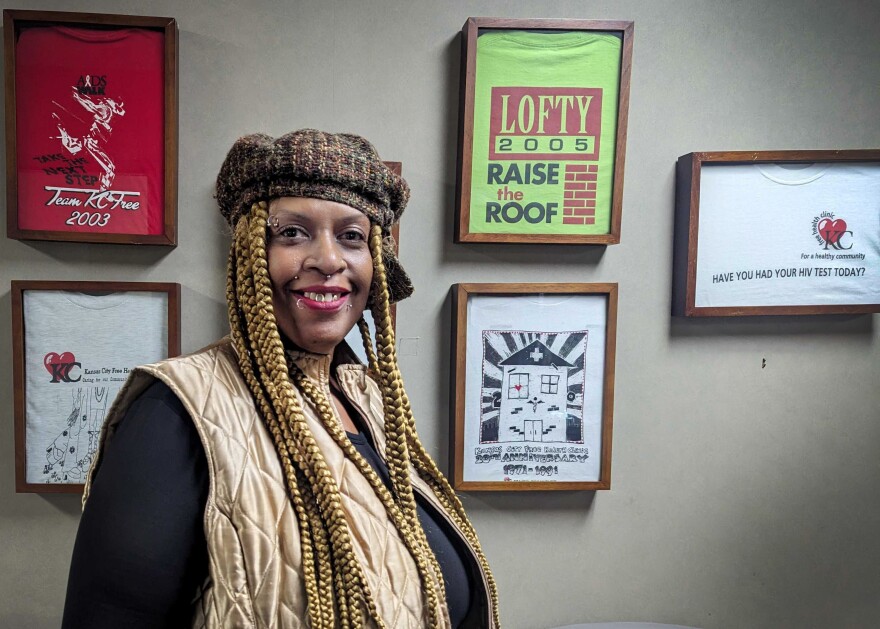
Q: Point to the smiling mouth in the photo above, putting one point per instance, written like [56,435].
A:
[330,299]
[327,298]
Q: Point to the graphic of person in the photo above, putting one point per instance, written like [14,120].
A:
[102,109]
[69,455]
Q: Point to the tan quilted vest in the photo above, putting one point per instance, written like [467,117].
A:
[250,526]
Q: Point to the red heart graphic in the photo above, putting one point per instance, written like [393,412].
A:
[51,359]
[517,387]
[57,359]
[830,230]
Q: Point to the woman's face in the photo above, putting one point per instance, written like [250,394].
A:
[321,269]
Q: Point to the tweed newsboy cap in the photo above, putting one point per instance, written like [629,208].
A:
[339,167]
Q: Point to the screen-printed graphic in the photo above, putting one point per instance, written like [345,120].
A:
[90,130]
[70,453]
[79,350]
[545,121]
[533,402]
[99,113]
[773,234]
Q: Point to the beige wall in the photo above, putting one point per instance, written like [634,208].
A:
[742,497]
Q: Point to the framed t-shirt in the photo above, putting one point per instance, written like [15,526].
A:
[543,130]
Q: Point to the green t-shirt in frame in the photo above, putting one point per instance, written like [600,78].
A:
[545,123]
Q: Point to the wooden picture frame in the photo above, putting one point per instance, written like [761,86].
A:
[91,127]
[532,386]
[541,160]
[777,233]
[73,344]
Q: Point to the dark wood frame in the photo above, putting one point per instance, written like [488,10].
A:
[13,22]
[469,33]
[18,358]
[397,169]
[460,295]
[687,215]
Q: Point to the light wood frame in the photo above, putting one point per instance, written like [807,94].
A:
[469,33]
[19,355]
[461,293]
[13,23]
[687,218]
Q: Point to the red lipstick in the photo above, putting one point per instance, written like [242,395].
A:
[325,298]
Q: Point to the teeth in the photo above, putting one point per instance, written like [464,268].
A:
[322,297]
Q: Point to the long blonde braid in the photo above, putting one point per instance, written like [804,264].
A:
[372,361]
[239,283]
[336,589]
[429,570]
[329,563]
[417,455]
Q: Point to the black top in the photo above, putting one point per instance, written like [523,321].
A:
[140,553]
[455,574]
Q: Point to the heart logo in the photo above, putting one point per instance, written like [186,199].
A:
[57,359]
[517,387]
[51,359]
[832,230]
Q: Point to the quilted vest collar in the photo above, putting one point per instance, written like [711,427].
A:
[315,366]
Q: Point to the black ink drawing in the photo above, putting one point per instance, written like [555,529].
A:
[70,454]
[533,386]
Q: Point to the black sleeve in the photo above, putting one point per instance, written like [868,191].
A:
[140,552]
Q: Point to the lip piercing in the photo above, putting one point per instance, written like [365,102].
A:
[299,304]
[328,276]
[349,306]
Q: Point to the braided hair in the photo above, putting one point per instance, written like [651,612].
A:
[337,592]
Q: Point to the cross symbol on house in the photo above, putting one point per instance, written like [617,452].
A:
[536,355]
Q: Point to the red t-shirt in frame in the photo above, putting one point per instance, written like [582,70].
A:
[90,129]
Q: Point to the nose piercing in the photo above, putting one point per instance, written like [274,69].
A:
[299,304]
[296,277]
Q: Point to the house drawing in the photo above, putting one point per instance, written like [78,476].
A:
[533,398]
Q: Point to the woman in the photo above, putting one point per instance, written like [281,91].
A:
[267,480]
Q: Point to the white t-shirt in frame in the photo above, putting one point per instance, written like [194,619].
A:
[79,349]
[571,326]
[764,233]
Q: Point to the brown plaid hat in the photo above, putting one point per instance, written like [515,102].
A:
[339,167]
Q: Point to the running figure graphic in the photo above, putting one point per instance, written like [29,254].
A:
[103,109]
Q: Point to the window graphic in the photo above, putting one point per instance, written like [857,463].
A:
[549,384]
[518,387]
